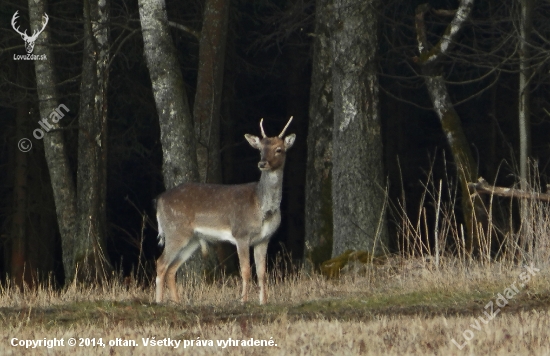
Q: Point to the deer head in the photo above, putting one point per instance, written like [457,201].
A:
[29,40]
[272,149]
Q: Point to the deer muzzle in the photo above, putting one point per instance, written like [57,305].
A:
[263,165]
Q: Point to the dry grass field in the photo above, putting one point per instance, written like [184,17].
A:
[405,307]
[437,300]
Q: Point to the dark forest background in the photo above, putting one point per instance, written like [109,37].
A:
[269,56]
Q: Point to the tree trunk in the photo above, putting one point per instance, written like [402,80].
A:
[524,91]
[460,149]
[208,99]
[176,125]
[19,265]
[357,176]
[89,249]
[473,210]
[54,144]
[524,113]
[318,190]
[206,110]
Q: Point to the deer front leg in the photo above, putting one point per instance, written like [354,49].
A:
[244,261]
[260,252]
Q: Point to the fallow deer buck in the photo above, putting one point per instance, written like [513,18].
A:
[244,214]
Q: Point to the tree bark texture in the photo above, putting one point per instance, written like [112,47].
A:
[357,175]
[318,190]
[208,98]
[176,125]
[89,249]
[54,145]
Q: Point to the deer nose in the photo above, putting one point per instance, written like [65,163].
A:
[262,164]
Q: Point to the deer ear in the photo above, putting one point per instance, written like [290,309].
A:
[253,140]
[289,141]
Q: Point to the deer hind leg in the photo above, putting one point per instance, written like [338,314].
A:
[260,252]
[176,251]
[182,256]
[243,250]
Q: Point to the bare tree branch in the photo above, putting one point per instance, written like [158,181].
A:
[186,29]
[482,187]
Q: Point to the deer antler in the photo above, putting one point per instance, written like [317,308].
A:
[288,123]
[13,19]
[262,128]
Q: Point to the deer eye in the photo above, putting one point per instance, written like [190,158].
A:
[278,150]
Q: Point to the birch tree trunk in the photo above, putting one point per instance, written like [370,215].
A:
[357,175]
[54,145]
[318,191]
[89,249]
[176,125]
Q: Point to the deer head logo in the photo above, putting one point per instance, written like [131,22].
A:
[29,40]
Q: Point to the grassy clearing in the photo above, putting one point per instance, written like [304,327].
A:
[408,309]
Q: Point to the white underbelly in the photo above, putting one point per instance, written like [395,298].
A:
[212,234]
[268,228]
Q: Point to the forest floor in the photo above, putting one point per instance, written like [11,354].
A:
[406,308]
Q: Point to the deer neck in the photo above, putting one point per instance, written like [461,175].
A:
[270,191]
